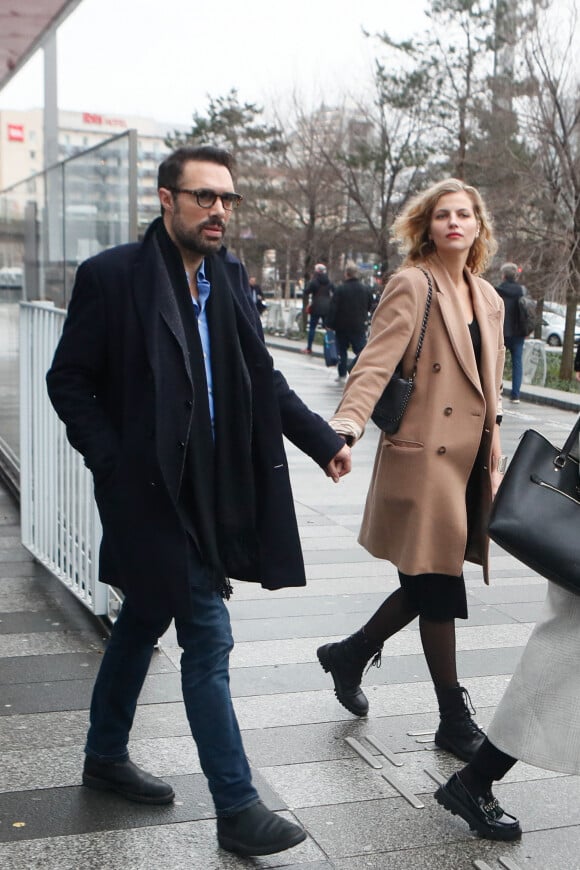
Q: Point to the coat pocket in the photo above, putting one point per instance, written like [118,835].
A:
[402,443]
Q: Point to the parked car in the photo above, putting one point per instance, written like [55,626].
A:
[553,329]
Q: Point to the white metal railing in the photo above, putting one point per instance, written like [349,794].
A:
[283,317]
[60,522]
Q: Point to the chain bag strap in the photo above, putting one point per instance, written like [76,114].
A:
[392,405]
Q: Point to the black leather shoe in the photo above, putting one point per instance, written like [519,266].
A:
[257,831]
[481,812]
[126,779]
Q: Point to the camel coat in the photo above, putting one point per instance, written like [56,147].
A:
[416,514]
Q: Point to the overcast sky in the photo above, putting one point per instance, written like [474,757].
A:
[160,58]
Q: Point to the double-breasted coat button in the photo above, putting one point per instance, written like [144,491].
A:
[188,404]
[181,444]
[448,412]
[442,450]
[436,367]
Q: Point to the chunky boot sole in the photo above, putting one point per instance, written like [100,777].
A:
[360,708]
[447,800]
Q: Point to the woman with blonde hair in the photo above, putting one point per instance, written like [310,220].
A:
[434,479]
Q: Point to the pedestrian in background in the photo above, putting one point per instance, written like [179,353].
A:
[434,479]
[257,295]
[348,314]
[318,293]
[510,291]
[167,390]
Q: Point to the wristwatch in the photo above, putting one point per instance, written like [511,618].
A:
[502,462]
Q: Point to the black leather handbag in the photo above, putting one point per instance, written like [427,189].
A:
[536,513]
[393,403]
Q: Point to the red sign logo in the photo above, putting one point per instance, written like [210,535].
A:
[16,132]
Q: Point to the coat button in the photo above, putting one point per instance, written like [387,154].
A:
[448,412]
[152,483]
[181,444]
[436,367]
[441,450]
[188,404]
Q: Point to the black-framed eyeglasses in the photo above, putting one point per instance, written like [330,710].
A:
[206,198]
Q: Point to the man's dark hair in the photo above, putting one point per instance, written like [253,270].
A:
[171,168]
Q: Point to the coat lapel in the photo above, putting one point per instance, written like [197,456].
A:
[452,315]
[154,299]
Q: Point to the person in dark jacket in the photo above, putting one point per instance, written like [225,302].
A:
[318,294]
[349,310]
[166,388]
[257,295]
[510,291]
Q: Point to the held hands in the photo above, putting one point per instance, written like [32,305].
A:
[339,465]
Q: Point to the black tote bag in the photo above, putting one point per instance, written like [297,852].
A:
[536,513]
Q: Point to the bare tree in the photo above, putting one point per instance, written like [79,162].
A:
[383,151]
[299,192]
[551,118]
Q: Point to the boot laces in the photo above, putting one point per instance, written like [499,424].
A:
[376,661]
[468,702]
[469,712]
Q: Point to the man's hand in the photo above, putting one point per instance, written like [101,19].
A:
[339,465]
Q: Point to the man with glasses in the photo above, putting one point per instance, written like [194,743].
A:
[167,389]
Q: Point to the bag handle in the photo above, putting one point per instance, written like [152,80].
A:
[425,319]
[560,460]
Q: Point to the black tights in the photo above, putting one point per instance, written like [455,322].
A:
[437,638]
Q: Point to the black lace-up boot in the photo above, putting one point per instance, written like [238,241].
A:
[345,661]
[457,731]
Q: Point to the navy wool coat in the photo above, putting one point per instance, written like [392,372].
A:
[120,381]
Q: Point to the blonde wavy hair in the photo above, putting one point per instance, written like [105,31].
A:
[410,228]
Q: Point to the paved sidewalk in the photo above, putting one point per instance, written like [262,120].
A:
[294,729]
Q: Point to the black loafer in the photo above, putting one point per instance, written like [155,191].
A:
[126,779]
[257,831]
[482,813]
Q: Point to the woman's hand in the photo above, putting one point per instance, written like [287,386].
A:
[339,465]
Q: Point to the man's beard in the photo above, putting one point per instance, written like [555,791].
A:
[191,238]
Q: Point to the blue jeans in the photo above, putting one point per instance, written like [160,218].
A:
[356,340]
[206,640]
[515,345]
[312,324]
